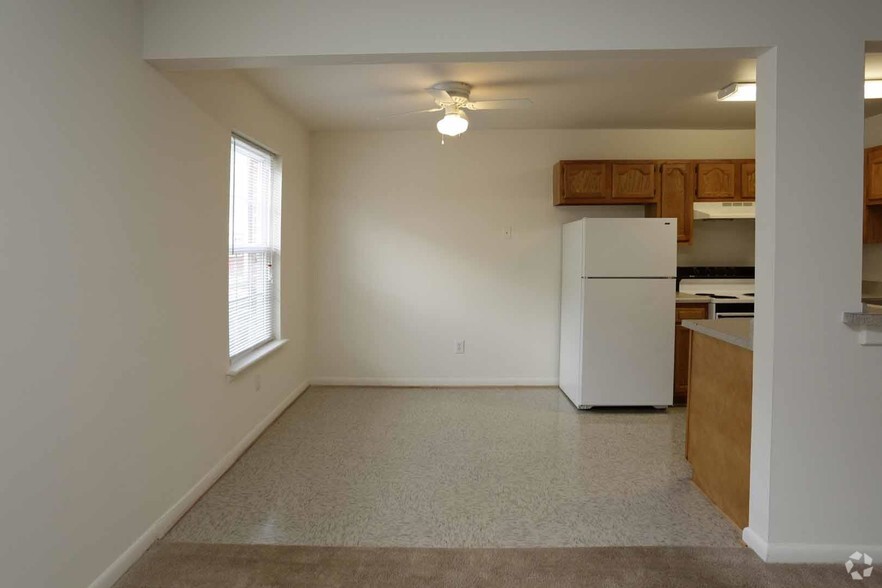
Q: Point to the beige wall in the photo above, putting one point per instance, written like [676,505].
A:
[410,252]
[113,256]
[719,242]
[873,253]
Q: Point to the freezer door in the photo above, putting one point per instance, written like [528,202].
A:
[630,247]
[628,350]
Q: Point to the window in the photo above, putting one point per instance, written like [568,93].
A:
[254,252]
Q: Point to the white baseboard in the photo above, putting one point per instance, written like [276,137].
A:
[803,552]
[432,382]
[164,523]
[755,542]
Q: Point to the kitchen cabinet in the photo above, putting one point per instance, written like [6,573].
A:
[582,182]
[873,224]
[748,180]
[873,175]
[633,180]
[643,183]
[682,341]
[873,195]
[675,189]
[715,180]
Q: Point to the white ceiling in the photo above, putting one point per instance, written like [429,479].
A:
[621,92]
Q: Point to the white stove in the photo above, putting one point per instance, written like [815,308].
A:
[731,296]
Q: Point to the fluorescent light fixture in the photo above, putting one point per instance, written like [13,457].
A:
[454,123]
[738,92]
[746,91]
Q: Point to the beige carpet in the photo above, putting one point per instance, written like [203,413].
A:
[198,565]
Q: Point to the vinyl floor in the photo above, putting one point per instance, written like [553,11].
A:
[459,468]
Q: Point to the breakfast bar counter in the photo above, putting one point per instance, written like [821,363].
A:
[737,331]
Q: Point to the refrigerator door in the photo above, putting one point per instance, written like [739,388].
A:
[630,247]
[628,347]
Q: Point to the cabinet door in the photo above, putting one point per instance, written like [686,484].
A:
[681,364]
[716,180]
[682,348]
[873,170]
[633,180]
[748,180]
[675,193]
[584,182]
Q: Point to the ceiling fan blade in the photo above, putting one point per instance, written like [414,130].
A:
[500,104]
[438,109]
[439,95]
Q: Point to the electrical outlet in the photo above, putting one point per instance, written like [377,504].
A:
[257,383]
[460,346]
[507,232]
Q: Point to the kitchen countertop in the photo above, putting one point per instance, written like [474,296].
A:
[870,317]
[737,331]
[683,297]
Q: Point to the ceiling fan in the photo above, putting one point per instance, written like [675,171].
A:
[453,99]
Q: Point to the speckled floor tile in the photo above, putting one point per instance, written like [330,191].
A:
[421,467]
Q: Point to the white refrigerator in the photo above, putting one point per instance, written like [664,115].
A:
[618,299]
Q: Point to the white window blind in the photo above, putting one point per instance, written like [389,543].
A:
[255,194]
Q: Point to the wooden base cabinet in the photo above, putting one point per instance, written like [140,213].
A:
[873,175]
[682,341]
[873,195]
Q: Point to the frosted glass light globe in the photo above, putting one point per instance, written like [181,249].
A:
[453,124]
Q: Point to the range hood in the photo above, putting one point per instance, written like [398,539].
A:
[723,210]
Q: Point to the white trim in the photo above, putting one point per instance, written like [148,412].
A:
[432,382]
[249,359]
[755,542]
[164,523]
[804,552]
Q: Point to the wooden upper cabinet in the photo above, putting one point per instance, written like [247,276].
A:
[748,180]
[675,190]
[716,180]
[873,175]
[633,180]
[581,182]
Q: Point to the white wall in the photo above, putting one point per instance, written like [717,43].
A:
[873,253]
[410,253]
[113,238]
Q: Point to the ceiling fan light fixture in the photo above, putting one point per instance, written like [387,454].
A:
[738,92]
[454,123]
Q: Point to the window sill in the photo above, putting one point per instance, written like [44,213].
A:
[246,361]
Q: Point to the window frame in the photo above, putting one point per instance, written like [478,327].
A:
[244,358]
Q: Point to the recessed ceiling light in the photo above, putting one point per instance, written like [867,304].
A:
[738,92]
[746,91]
